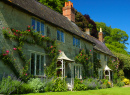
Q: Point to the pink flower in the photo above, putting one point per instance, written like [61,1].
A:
[81,54]
[90,50]
[9,32]
[51,46]
[16,30]
[4,54]
[7,28]
[59,50]
[14,48]
[3,27]
[20,34]
[28,26]
[86,58]
[26,74]
[43,36]
[7,51]
[29,30]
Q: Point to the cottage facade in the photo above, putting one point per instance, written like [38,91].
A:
[70,39]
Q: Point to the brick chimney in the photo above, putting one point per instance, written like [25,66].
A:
[100,35]
[87,31]
[69,11]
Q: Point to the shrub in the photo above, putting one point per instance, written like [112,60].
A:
[106,82]
[36,84]
[126,81]
[121,74]
[9,85]
[92,83]
[24,89]
[59,85]
[48,86]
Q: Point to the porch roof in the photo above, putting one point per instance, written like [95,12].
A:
[62,56]
[107,68]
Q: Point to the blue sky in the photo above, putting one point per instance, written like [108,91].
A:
[112,12]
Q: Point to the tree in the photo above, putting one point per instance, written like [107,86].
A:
[56,5]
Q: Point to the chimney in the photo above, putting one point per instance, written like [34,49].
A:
[69,11]
[87,31]
[100,35]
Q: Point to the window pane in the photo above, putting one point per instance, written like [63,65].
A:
[58,35]
[62,37]
[76,42]
[37,66]
[38,26]
[32,63]
[42,28]
[33,23]
[48,31]
[73,41]
[42,65]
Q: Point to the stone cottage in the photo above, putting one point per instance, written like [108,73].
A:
[18,14]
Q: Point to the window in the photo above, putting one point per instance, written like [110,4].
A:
[37,64]
[98,55]
[60,36]
[105,57]
[100,73]
[77,72]
[38,26]
[76,42]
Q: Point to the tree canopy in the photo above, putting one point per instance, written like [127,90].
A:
[56,5]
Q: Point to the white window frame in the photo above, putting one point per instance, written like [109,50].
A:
[79,45]
[60,36]
[36,20]
[44,64]
[79,68]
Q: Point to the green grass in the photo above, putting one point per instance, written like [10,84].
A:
[109,91]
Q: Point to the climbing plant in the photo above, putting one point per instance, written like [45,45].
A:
[84,58]
[31,37]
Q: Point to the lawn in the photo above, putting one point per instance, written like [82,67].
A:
[109,91]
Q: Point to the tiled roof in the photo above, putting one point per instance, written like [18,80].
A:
[55,18]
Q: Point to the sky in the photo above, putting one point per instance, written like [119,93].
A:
[115,13]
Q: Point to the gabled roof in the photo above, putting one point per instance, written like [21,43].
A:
[55,18]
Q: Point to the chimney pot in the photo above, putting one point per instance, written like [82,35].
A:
[100,35]
[69,11]
[87,31]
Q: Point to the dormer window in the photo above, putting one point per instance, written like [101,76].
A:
[38,26]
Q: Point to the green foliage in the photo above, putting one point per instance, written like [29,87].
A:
[24,89]
[59,85]
[9,85]
[121,74]
[120,83]
[48,86]
[84,57]
[37,84]
[54,4]
[30,37]
[78,86]
[97,65]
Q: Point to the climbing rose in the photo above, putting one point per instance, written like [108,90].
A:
[4,54]
[26,74]
[14,48]
[7,51]
[90,50]
[51,46]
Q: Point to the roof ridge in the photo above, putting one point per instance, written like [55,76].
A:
[49,8]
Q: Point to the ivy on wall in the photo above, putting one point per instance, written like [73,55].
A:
[31,37]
